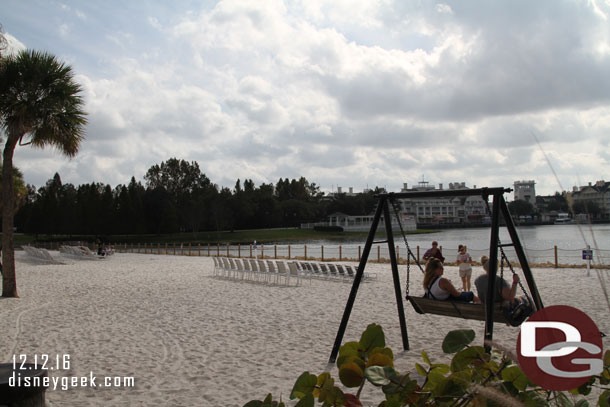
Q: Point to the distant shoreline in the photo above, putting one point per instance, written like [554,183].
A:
[261,236]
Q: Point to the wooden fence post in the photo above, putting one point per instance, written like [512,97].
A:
[340,252]
[556,262]
[305,251]
[359,252]
[288,252]
[228,250]
[397,255]
[262,251]
[322,251]
[418,253]
[378,252]
[199,249]
[238,250]
[217,249]
[275,252]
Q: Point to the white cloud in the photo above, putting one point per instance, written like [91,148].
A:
[444,8]
[372,92]
[13,45]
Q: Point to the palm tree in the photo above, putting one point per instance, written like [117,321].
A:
[40,100]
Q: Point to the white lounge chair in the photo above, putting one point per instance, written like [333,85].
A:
[272,271]
[263,270]
[293,272]
[282,271]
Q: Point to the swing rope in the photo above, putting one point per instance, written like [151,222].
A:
[409,252]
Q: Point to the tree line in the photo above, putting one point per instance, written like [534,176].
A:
[177,197]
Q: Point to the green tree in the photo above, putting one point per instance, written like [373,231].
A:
[589,207]
[186,185]
[39,98]
[559,203]
[520,208]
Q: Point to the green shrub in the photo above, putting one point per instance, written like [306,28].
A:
[473,378]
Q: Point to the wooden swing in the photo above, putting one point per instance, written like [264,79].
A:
[448,308]
[489,312]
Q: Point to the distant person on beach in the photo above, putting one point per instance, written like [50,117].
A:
[504,292]
[101,250]
[439,288]
[464,262]
[434,252]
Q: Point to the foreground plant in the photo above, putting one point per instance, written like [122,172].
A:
[473,378]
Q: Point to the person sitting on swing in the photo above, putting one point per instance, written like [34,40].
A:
[439,288]
[504,292]
[516,310]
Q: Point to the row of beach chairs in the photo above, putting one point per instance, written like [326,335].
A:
[331,271]
[40,254]
[82,252]
[268,270]
[256,270]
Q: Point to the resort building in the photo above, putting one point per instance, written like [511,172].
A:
[450,210]
[417,212]
[597,194]
[525,191]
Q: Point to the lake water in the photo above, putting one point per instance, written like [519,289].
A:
[538,241]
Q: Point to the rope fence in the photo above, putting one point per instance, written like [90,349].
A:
[553,257]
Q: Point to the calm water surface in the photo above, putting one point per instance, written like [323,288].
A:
[538,241]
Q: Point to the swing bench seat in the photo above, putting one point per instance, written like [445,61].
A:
[455,309]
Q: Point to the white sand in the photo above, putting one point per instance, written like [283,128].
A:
[191,339]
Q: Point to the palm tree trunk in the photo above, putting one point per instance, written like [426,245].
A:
[9,281]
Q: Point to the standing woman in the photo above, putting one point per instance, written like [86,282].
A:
[464,262]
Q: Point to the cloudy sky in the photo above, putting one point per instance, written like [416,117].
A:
[344,92]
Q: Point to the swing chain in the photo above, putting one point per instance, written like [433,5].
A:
[504,258]
[409,252]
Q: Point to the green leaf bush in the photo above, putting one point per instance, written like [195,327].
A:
[472,378]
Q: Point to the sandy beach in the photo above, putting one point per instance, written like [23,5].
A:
[192,339]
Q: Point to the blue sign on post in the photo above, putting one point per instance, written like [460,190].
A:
[587,254]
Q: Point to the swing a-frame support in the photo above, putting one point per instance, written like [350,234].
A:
[499,207]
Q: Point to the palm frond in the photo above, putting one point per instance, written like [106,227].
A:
[39,98]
